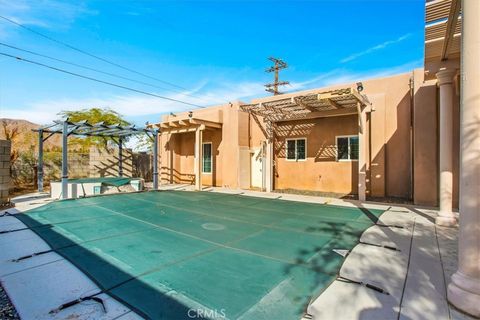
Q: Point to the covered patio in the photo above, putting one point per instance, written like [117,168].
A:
[269,112]
[184,124]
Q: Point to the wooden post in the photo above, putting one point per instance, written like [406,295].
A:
[65,160]
[269,170]
[40,161]
[362,162]
[155,159]
[120,157]
[198,159]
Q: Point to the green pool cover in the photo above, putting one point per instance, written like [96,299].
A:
[108,181]
[171,254]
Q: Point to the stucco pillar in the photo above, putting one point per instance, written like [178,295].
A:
[198,159]
[464,290]
[362,154]
[445,82]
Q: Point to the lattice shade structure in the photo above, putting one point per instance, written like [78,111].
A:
[442,29]
[300,106]
[83,128]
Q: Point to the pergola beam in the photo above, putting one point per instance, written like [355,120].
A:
[451,26]
[83,128]
[443,30]
[206,123]
[187,125]
[334,104]
[324,114]
[299,101]
[184,129]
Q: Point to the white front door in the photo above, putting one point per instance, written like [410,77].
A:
[256,167]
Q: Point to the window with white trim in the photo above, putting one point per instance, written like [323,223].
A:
[296,149]
[207,157]
[347,148]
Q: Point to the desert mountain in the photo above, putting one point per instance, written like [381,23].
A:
[22,136]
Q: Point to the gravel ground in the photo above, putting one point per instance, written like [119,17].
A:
[7,310]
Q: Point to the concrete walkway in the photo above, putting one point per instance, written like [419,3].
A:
[412,271]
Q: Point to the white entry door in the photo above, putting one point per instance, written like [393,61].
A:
[256,167]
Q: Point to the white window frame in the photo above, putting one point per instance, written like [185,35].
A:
[286,149]
[211,157]
[336,147]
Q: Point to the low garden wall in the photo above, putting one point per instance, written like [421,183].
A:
[95,163]
[5,180]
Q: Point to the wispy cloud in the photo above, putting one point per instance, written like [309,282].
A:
[375,48]
[49,14]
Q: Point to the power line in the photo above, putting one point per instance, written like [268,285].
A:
[98,80]
[89,54]
[95,70]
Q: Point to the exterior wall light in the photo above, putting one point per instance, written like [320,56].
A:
[359,86]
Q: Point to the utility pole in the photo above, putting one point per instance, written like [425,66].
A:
[278,64]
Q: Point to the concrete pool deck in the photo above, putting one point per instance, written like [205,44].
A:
[414,276]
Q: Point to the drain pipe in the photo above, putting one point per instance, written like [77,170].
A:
[412,134]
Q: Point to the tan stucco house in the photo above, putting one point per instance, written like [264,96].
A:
[381,141]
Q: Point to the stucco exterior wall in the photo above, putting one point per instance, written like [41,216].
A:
[388,145]
[401,145]
[389,164]
[426,142]
[177,150]
[230,146]
[320,171]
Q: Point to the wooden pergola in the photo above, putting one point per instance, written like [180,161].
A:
[338,102]
[116,132]
[307,105]
[185,124]
[443,27]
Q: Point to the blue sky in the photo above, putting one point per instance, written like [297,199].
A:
[216,50]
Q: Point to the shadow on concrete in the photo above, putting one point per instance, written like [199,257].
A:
[141,297]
